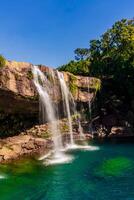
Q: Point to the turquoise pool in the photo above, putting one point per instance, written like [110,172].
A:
[104,174]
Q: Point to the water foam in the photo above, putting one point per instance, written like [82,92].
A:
[53,158]
[3,176]
[45,156]
[83,147]
[58,159]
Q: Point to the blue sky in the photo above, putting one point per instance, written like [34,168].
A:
[47,31]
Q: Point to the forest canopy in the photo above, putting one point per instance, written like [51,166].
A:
[110,56]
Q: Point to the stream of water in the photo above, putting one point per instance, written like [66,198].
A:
[65,97]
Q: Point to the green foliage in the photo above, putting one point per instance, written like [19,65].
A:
[64,128]
[76,116]
[46,134]
[110,57]
[80,67]
[81,53]
[72,84]
[30,75]
[96,84]
[113,54]
[2,61]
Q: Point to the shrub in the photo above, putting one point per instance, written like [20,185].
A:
[2,61]
[29,75]
[72,84]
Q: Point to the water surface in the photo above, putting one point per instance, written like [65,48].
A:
[93,175]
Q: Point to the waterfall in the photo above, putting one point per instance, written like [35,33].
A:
[90,110]
[82,136]
[65,97]
[43,85]
[46,91]
[89,101]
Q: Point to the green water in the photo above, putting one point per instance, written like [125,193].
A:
[106,174]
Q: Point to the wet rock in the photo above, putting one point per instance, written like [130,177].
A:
[117,130]
[121,132]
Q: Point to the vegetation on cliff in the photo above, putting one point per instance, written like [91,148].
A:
[80,67]
[112,55]
[2,61]
[110,58]
[73,84]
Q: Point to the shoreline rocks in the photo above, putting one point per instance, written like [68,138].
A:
[15,147]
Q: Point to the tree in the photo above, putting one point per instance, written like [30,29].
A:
[110,56]
[80,67]
[113,54]
[81,53]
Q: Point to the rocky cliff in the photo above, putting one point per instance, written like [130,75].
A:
[18,93]
[19,99]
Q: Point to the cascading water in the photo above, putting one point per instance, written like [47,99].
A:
[89,101]
[90,110]
[82,136]
[46,105]
[42,85]
[47,110]
[65,97]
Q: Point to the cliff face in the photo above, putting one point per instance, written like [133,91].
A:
[19,104]
[18,93]
[16,88]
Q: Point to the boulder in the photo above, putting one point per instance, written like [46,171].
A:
[121,132]
[14,147]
